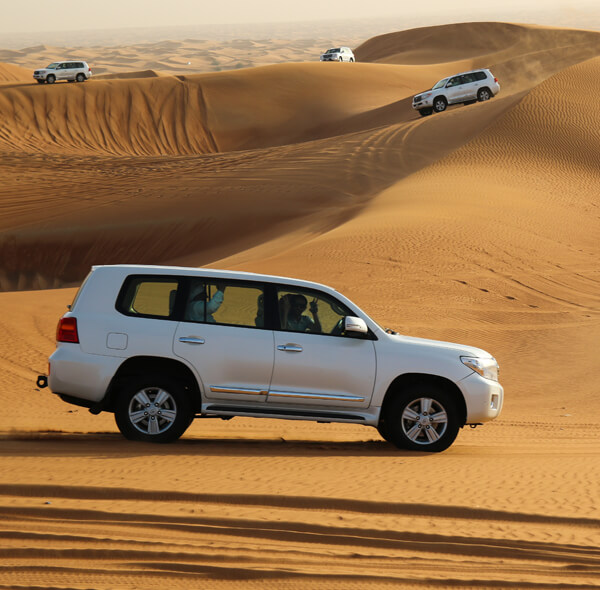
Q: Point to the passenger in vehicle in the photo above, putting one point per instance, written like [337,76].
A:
[196,307]
[292,308]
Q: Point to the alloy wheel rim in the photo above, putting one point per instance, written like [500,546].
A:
[152,410]
[424,421]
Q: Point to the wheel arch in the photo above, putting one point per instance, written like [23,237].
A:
[140,365]
[401,382]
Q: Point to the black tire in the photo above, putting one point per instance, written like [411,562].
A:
[41,81]
[425,112]
[80,78]
[341,58]
[484,94]
[439,104]
[153,408]
[351,60]
[423,417]
[51,79]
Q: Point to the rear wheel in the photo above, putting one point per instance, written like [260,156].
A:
[51,79]
[484,94]
[421,418]
[80,78]
[153,408]
[425,112]
[439,104]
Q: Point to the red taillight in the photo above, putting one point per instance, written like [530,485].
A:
[66,331]
[496,80]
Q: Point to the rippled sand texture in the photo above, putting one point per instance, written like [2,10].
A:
[480,225]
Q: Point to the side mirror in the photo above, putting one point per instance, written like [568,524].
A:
[352,324]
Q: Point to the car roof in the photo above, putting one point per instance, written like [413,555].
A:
[210,273]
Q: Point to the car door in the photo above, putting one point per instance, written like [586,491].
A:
[61,71]
[222,336]
[455,89]
[316,363]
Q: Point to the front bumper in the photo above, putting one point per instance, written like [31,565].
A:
[484,398]
[425,103]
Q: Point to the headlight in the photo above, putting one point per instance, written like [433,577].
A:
[487,368]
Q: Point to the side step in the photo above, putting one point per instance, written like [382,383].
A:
[280,412]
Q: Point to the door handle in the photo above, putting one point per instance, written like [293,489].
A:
[289,347]
[191,340]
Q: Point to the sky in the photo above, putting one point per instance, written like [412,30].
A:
[18,16]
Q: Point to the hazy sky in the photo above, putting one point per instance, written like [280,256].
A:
[18,16]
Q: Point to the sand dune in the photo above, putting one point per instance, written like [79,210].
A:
[480,225]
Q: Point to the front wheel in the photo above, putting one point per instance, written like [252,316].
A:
[440,104]
[425,112]
[41,81]
[421,418]
[153,409]
[51,79]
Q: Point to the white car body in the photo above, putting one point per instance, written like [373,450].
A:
[348,370]
[338,54]
[466,87]
[75,70]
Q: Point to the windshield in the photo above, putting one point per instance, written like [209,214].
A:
[52,66]
[333,51]
[440,84]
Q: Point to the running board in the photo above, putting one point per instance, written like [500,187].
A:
[280,412]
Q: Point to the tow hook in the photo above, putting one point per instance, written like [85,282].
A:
[42,381]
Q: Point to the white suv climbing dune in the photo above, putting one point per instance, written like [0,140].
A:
[466,88]
[160,346]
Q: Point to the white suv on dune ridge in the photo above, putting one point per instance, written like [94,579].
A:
[160,346]
[72,71]
[466,88]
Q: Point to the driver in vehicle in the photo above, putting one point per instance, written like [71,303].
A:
[292,308]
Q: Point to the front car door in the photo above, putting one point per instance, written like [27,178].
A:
[222,335]
[455,89]
[316,363]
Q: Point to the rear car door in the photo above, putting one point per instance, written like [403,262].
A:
[223,337]
[316,363]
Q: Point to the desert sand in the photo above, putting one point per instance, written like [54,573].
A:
[480,225]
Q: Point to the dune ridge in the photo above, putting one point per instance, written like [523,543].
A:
[196,130]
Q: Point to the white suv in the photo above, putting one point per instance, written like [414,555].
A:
[73,71]
[160,346]
[467,87]
[338,54]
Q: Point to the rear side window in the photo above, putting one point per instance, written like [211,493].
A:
[479,76]
[227,303]
[148,297]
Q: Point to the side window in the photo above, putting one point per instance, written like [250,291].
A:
[453,82]
[310,311]
[480,76]
[467,78]
[148,296]
[230,304]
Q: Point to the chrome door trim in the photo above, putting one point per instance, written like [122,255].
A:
[241,390]
[310,396]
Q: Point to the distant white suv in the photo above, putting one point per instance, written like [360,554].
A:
[73,71]
[338,54]
[467,87]
[160,346]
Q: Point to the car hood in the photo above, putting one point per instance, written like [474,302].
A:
[451,347]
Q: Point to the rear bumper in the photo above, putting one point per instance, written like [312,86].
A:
[76,374]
